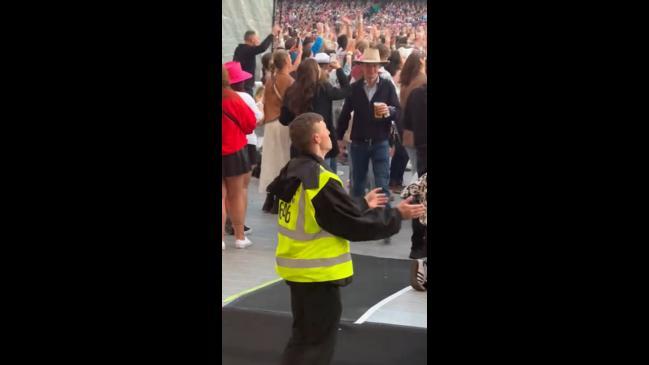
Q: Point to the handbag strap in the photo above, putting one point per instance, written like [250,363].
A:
[233,119]
[275,89]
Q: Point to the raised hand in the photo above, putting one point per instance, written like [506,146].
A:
[376,199]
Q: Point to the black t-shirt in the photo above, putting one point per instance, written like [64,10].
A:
[416,115]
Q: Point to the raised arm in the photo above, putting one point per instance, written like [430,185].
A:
[337,93]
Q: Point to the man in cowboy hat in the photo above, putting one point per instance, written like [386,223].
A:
[375,105]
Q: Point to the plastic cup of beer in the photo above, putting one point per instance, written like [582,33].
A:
[377,113]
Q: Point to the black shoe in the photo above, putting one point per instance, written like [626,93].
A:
[417,254]
[230,231]
[256,171]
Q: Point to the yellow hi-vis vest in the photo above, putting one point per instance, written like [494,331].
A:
[305,252]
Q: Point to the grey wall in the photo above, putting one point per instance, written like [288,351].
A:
[240,16]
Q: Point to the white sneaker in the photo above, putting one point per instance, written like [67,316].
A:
[223,242]
[242,243]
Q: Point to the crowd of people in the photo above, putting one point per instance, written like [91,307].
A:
[355,63]
[341,82]
[387,14]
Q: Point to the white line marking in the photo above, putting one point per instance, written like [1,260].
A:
[378,305]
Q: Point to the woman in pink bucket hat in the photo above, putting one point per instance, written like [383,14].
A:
[237,121]
[237,74]
[237,78]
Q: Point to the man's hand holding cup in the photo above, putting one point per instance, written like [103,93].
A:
[381,110]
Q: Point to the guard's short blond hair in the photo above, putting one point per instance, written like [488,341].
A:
[302,129]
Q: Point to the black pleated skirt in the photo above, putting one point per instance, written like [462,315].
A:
[235,164]
[252,154]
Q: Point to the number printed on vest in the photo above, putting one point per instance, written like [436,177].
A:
[284,211]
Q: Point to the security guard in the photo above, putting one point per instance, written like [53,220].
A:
[317,219]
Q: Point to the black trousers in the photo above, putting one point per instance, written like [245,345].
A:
[398,165]
[422,157]
[316,311]
[419,239]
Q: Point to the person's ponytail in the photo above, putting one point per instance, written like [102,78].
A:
[271,67]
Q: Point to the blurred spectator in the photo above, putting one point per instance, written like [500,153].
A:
[265,66]
[275,152]
[237,121]
[413,75]
[416,120]
[246,54]
[312,92]
[237,77]
[369,133]
[400,157]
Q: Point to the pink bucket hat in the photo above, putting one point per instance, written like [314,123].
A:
[236,73]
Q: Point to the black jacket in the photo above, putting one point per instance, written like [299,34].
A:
[335,210]
[247,56]
[321,104]
[365,126]
[415,119]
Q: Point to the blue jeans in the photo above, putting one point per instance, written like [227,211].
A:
[332,164]
[379,154]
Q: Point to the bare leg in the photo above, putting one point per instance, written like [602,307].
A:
[236,200]
[224,194]
[246,181]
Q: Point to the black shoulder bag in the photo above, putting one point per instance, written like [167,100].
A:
[394,139]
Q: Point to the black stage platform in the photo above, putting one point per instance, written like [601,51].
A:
[257,326]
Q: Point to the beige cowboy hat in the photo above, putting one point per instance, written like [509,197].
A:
[371,55]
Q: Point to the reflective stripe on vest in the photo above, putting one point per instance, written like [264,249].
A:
[299,234]
[309,263]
